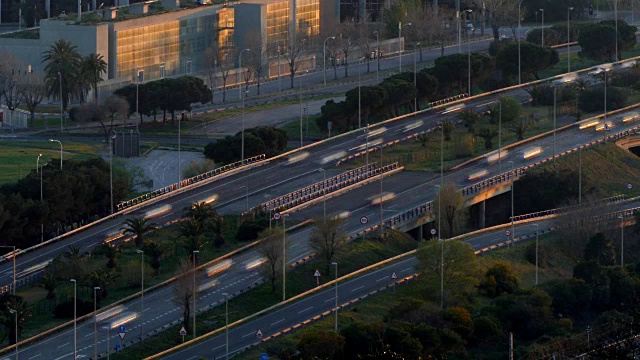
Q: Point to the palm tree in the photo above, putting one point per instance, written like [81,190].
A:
[138,227]
[101,278]
[74,260]
[24,310]
[192,238]
[49,283]
[520,128]
[155,251]
[203,214]
[62,64]
[111,252]
[93,66]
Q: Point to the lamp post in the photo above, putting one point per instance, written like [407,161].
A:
[189,65]
[579,174]
[468,11]
[110,167]
[226,324]
[568,39]
[279,81]
[513,179]
[141,252]
[284,257]
[61,104]
[15,313]
[95,321]
[555,105]
[400,26]
[604,130]
[542,29]
[324,58]
[335,326]
[441,241]
[195,310]
[59,142]
[621,217]
[381,207]
[536,225]
[13,249]
[377,54]
[324,193]
[137,85]
[359,99]
[519,34]
[615,17]
[499,136]
[38,170]
[240,69]
[75,318]
[415,83]
[242,145]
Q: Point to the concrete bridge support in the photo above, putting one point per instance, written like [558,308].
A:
[481,214]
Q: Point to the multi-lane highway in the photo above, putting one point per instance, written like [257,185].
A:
[274,178]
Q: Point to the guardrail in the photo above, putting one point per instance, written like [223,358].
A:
[167,189]
[608,201]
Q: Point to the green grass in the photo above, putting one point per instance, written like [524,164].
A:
[359,254]
[310,129]
[18,158]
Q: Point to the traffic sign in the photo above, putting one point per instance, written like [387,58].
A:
[259,334]
[122,334]
[394,275]
[264,357]
[588,330]
[117,347]
[276,216]
[434,231]
[317,273]
[183,331]
[606,127]
[364,220]
[507,232]
[122,328]
[629,186]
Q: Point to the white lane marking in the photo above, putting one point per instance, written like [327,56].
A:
[407,269]
[214,349]
[89,334]
[249,334]
[63,345]
[382,278]
[33,357]
[329,299]
[277,322]
[307,309]
[64,356]
[358,288]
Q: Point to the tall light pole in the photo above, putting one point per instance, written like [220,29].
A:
[536,225]
[499,136]
[555,105]
[15,313]
[381,202]
[284,256]
[59,142]
[226,324]
[279,81]
[75,318]
[13,251]
[604,130]
[359,102]
[519,34]
[615,17]
[415,83]
[542,35]
[324,58]
[38,170]
[377,54]
[61,104]
[110,167]
[468,11]
[568,39]
[195,310]
[621,217]
[141,252]
[242,145]
[441,241]
[335,326]
[95,321]
[400,26]
[239,70]
[513,180]
[579,174]
[324,195]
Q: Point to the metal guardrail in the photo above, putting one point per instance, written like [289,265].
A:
[186,182]
[608,201]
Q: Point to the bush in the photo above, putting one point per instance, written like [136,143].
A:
[464,146]
[542,255]
[499,279]
[486,329]
[249,230]
[551,37]
[65,310]
[260,140]
[592,99]
[197,167]
[511,110]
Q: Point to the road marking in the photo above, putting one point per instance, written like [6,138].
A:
[329,299]
[33,357]
[358,288]
[63,345]
[90,334]
[277,322]
[251,333]
[214,349]
[309,308]
[382,278]
[407,269]
[64,356]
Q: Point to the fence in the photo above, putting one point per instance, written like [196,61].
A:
[13,118]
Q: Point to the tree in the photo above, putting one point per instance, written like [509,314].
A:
[487,135]
[520,128]
[499,279]
[75,262]
[500,13]
[62,63]
[114,108]
[450,201]
[33,90]
[600,249]
[459,269]
[294,55]
[320,344]
[453,70]
[138,227]
[347,41]
[447,127]
[258,56]
[93,66]
[10,75]
[155,250]
[364,44]
[423,139]
[101,278]
[222,61]
[183,290]
[203,214]
[327,238]
[470,117]
[192,239]
[111,252]
[49,283]
[24,311]
[598,41]
[538,59]
[592,99]
[271,249]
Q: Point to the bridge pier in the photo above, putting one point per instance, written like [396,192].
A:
[481,214]
[420,235]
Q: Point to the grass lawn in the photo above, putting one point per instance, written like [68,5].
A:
[17,158]
[360,254]
[310,128]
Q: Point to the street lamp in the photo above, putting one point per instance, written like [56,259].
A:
[579,174]
[537,226]
[604,130]
[335,327]
[415,83]
[141,252]
[377,53]
[195,310]
[284,257]
[13,249]
[621,217]
[400,26]
[615,17]
[519,34]
[137,85]
[110,168]
[324,58]
[542,35]
[61,104]
[59,142]
[568,39]
[242,149]
[468,11]
[441,241]
[239,70]
[324,195]
[179,157]
[381,207]
[555,105]
[15,313]
[95,321]
[38,170]
[513,179]
[75,318]
[189,65]
[226,323]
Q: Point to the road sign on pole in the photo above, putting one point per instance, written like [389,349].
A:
[629,186]
[364,220]
[183,331]
[264,357]
[276,216]
[259,334]
[317,276]
[507,232]
[122,334]
[434,232]
[122,328]
[394,276]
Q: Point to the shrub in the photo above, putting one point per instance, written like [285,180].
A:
[248,230]
[464,146]
[499,279]
[592,99]
[65,310]
[542,255]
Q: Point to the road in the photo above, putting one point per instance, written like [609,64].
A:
[274,322]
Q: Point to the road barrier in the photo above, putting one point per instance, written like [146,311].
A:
[608,201]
